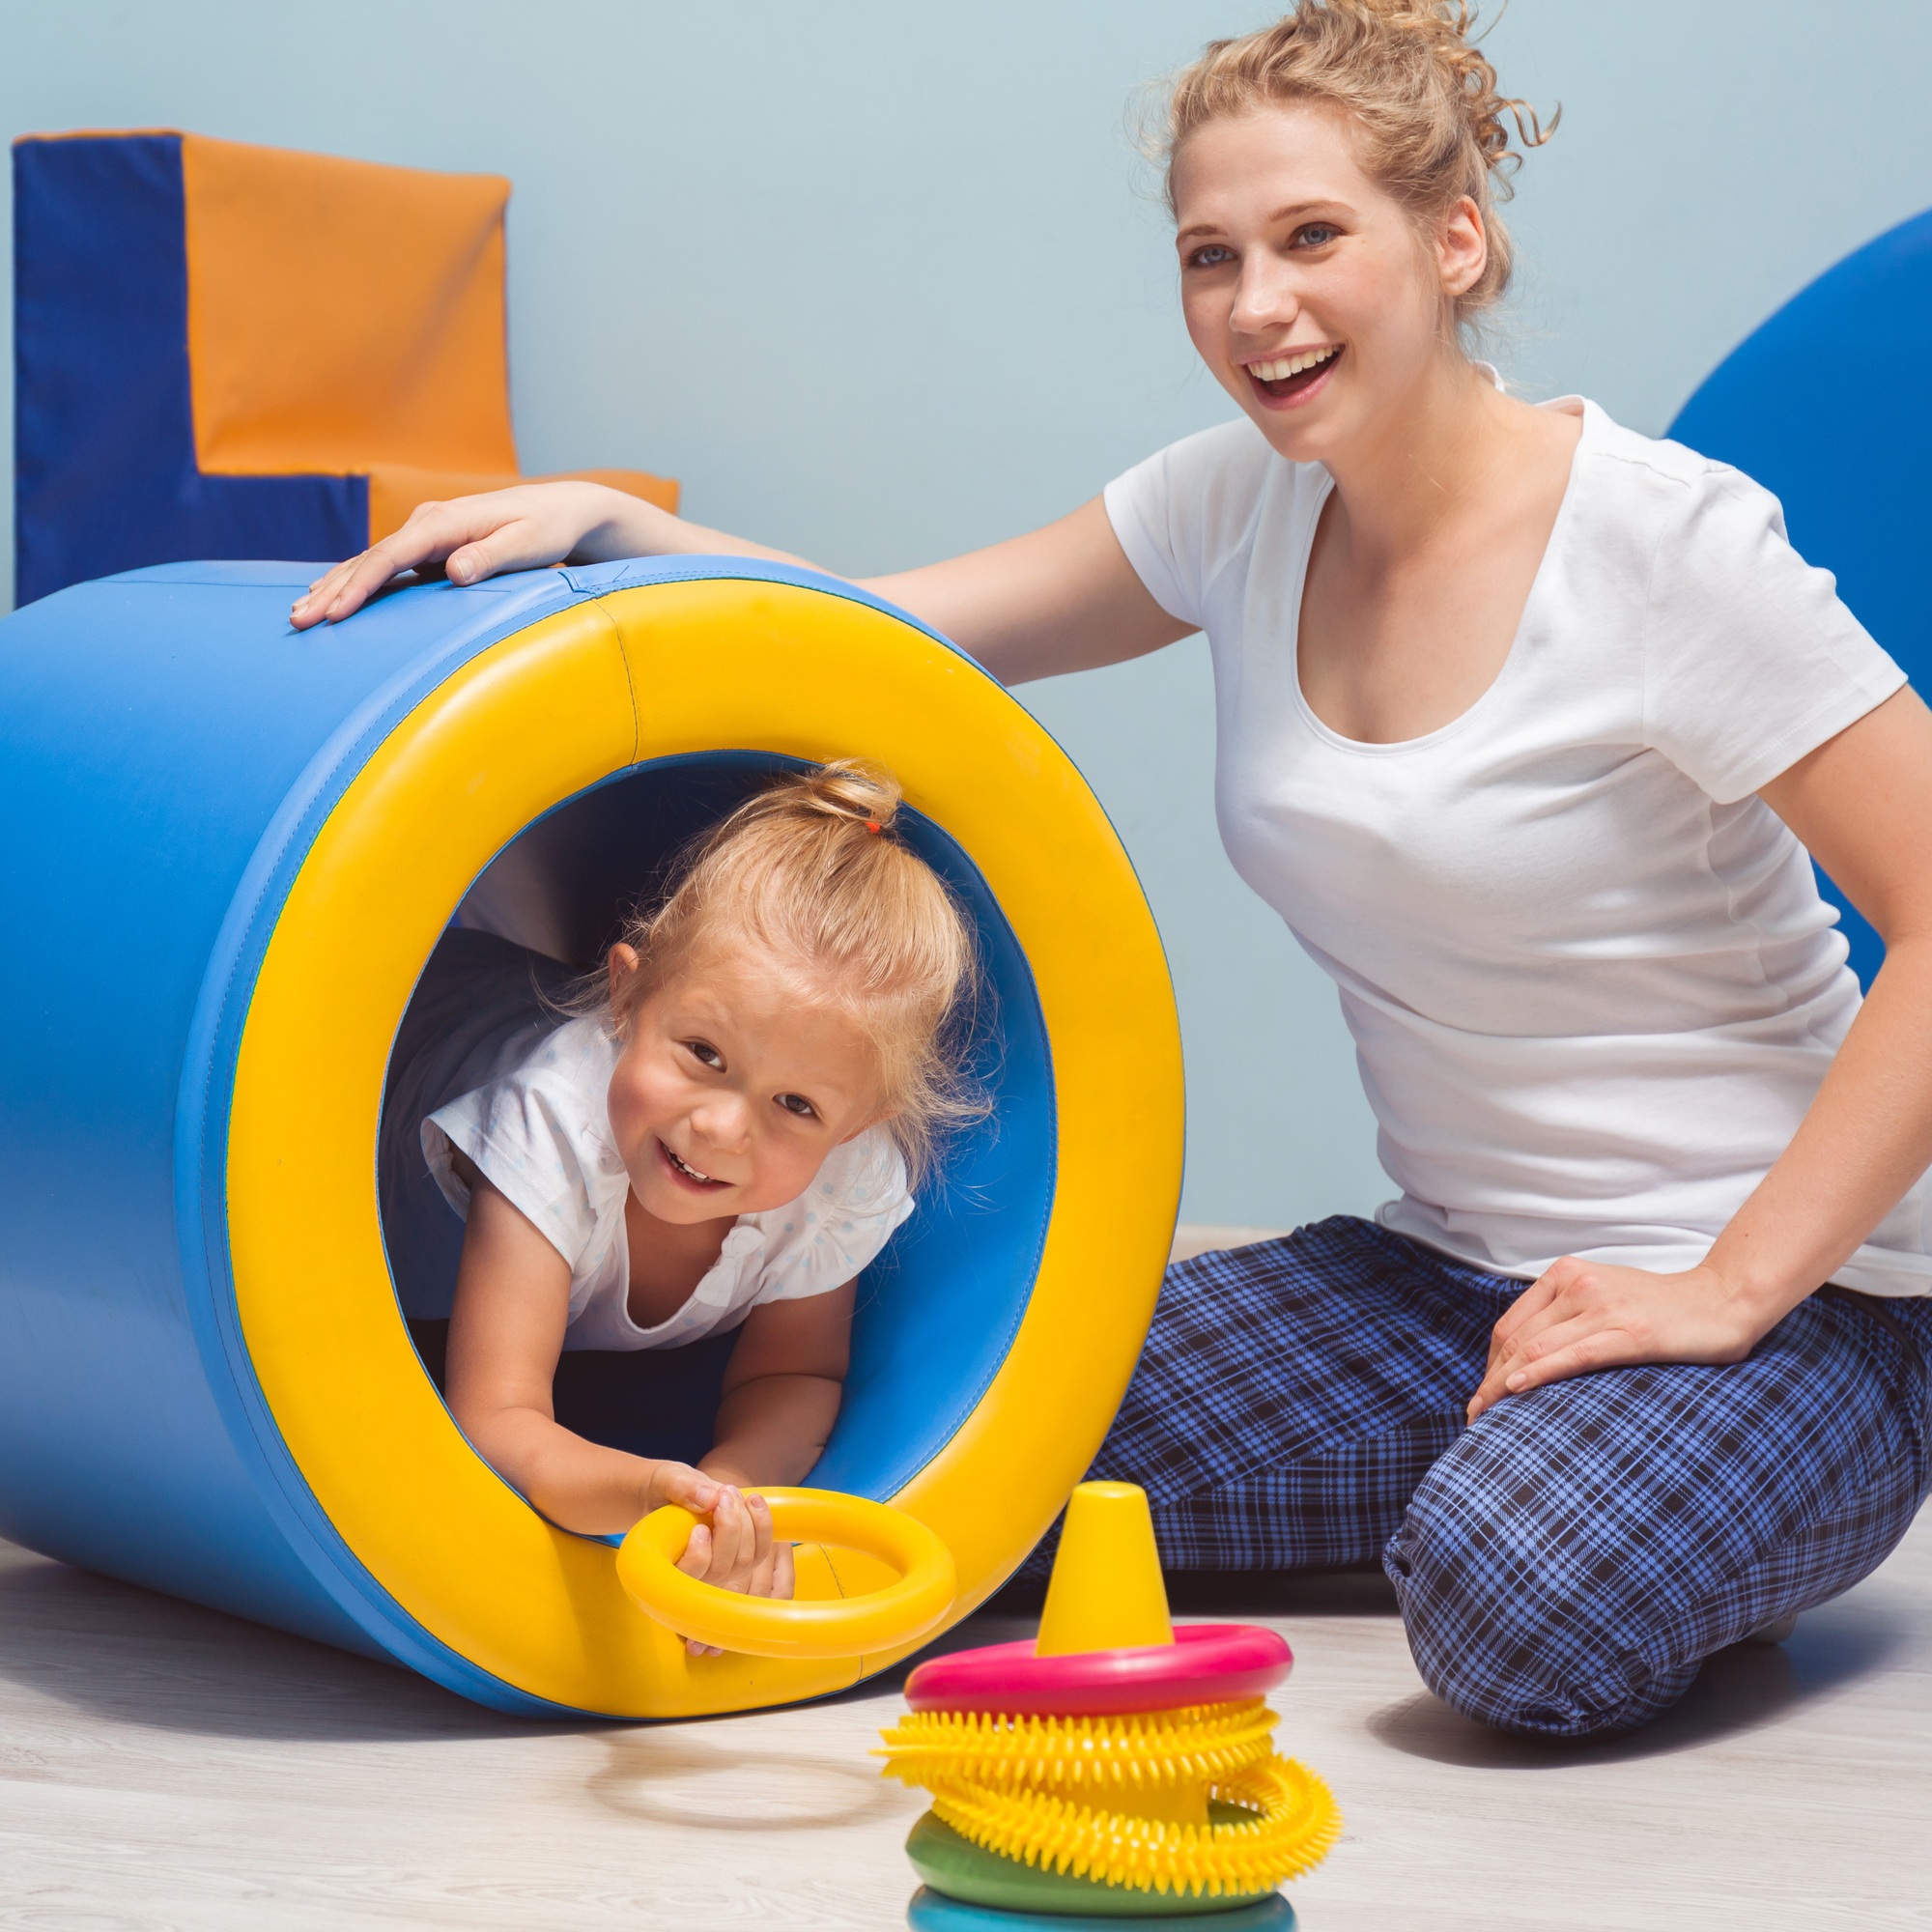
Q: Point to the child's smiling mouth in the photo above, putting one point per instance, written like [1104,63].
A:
[685,1174]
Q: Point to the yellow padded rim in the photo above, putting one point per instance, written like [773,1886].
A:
[644,673]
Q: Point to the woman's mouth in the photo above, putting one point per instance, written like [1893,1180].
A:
[1295,376]
[687,1175]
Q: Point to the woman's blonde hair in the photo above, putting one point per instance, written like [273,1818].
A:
[812,873]
[1410,74]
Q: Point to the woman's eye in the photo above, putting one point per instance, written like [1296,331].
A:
[797,1104]
[705,1053]
[1212,256]
[1317,235]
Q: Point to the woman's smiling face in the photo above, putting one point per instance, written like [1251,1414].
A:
[1309,291]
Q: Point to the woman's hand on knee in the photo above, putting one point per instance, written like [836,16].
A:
[474,537]
[1578,1315]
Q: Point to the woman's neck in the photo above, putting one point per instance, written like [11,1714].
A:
[1429,459]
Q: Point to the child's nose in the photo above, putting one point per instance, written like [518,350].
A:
[723,1121]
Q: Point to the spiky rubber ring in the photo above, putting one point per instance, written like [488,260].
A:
[1108,1798]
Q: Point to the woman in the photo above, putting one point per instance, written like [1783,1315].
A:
[1524,723]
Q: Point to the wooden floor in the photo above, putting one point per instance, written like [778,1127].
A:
[167,1767]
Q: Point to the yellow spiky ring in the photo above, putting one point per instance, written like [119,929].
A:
[1118,1767]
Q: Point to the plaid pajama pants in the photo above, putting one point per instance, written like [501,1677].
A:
[1564,1564]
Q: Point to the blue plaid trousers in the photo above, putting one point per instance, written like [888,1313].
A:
[1564,1564]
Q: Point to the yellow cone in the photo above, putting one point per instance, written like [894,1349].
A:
[1106,1592]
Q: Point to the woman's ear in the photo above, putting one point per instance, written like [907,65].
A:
[1462,248]
[622,965]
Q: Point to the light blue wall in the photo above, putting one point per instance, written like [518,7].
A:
[881,279]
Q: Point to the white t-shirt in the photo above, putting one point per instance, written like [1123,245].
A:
[534,1118]
[1591,983]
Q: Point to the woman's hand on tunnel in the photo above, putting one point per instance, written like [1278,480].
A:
[1578,1315]
[474,537]
[736,1550]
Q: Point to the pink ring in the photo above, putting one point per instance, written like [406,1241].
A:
[1207,1663]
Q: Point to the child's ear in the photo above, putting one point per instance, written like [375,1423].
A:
[877,1120]
[622,963]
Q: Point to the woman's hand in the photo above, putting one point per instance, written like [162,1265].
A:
[474,537]
[1579,1316]
[736,1549]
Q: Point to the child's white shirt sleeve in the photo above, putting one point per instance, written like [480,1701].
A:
[539,1135]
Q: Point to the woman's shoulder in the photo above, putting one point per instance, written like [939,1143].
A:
[1232,457]
[1749,660]
[1661,483]
[1666,528]
[1189,511]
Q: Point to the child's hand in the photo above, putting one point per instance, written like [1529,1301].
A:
[474,537]
[736,1550]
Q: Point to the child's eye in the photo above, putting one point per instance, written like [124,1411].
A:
[797,1104]
[705,1053]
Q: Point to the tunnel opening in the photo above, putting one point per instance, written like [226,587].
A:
[935,1312]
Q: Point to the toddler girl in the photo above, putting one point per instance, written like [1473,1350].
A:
[720,1144]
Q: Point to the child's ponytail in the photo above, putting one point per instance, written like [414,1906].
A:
[849,790]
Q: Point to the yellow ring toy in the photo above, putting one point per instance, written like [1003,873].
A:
[210,1386]
[883,1619]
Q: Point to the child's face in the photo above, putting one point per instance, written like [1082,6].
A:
[730,1091]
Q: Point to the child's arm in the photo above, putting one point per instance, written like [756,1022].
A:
[506,1334]
[783,1387]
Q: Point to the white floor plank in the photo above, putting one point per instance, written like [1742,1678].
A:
[163,1766]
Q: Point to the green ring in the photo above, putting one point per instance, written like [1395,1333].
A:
[954,1865]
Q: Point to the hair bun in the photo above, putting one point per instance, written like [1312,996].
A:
[849,789]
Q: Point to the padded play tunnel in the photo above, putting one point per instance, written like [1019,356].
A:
[231,848]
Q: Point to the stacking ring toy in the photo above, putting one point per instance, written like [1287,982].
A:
[883,1619]
[1118,1765]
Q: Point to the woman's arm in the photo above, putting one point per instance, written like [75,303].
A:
[1061,597]
[783,1387]
[1861,803]
[506,1334]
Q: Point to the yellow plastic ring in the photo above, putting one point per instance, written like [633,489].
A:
[773,1627]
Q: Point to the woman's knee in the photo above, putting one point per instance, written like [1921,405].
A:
[1520,1629]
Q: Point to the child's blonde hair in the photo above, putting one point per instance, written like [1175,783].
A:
[1410,75]
[812,872]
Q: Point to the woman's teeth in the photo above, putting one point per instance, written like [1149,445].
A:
[1291,365]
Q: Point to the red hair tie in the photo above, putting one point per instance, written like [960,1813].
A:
[872,825]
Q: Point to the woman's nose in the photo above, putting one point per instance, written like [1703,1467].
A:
[1265,297]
